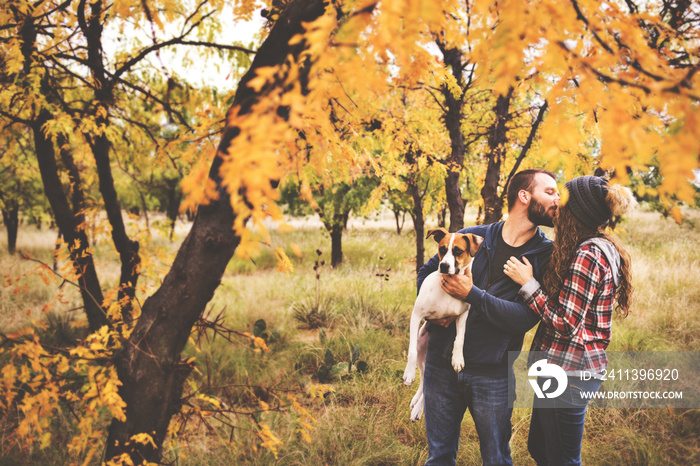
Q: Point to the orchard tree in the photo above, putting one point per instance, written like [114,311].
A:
[20,188]
[499,143]
[153,157]
[618,76]
[335,202]
[425,192]
[454,92]
[77,100]
[400,204]
[412,156]
[478,118]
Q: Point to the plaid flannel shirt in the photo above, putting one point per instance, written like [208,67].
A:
[576,325]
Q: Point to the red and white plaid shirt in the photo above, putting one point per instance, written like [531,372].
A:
[576,324]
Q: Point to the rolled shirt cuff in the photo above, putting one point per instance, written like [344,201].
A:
[529,288]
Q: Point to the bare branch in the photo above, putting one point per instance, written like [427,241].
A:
[429,91]
[65,280]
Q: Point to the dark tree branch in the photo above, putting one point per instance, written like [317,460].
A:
[674,89]
[526,148]
[217,46]
[69,222]
[498,139]
[155,47]
[14,118]
[165,105]
[583,18]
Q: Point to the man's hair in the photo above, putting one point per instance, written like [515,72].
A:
[524,179]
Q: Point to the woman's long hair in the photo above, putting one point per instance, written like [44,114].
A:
[570,233]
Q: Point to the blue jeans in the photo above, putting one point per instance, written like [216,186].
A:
[448,395]
[556,427]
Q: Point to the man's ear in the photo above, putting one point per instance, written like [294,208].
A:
[523,196]
[474,243]
[438,233]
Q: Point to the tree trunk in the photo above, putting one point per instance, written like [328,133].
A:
[10,215]
[92,24]
[493,203]
[336,245]
[454,201]
[127,248]
[174,199]
[149,365]
[55,251]
[338,224]
[524,150]
[453,123]
[69,223]
[400,217]
[442,217]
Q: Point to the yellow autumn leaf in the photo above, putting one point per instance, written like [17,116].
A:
[263,75]
[143,439]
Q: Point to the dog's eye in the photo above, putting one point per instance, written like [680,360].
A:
[443,250]
[457,252]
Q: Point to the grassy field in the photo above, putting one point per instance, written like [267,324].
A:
[363,307]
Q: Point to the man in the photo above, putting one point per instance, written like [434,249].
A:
[497,322]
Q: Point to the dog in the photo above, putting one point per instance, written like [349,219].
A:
[455,251]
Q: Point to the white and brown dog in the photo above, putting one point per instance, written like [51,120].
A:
[456,251]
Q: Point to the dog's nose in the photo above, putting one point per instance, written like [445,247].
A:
[444,268]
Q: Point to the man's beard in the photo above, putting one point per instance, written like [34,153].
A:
[539,215]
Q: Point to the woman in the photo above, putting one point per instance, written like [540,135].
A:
[588,275]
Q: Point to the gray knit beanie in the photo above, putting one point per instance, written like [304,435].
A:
[587,200]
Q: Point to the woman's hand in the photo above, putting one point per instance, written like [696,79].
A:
[519,272]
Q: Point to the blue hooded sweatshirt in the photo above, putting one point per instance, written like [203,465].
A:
[498,318]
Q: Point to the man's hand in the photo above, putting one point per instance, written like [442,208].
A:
[444,322]
[457,286]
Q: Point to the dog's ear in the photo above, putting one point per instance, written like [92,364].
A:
[474,243]
[438,233]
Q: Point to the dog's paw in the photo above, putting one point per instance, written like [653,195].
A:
[417,410]
[417,398]
[409,375]
[458,362]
